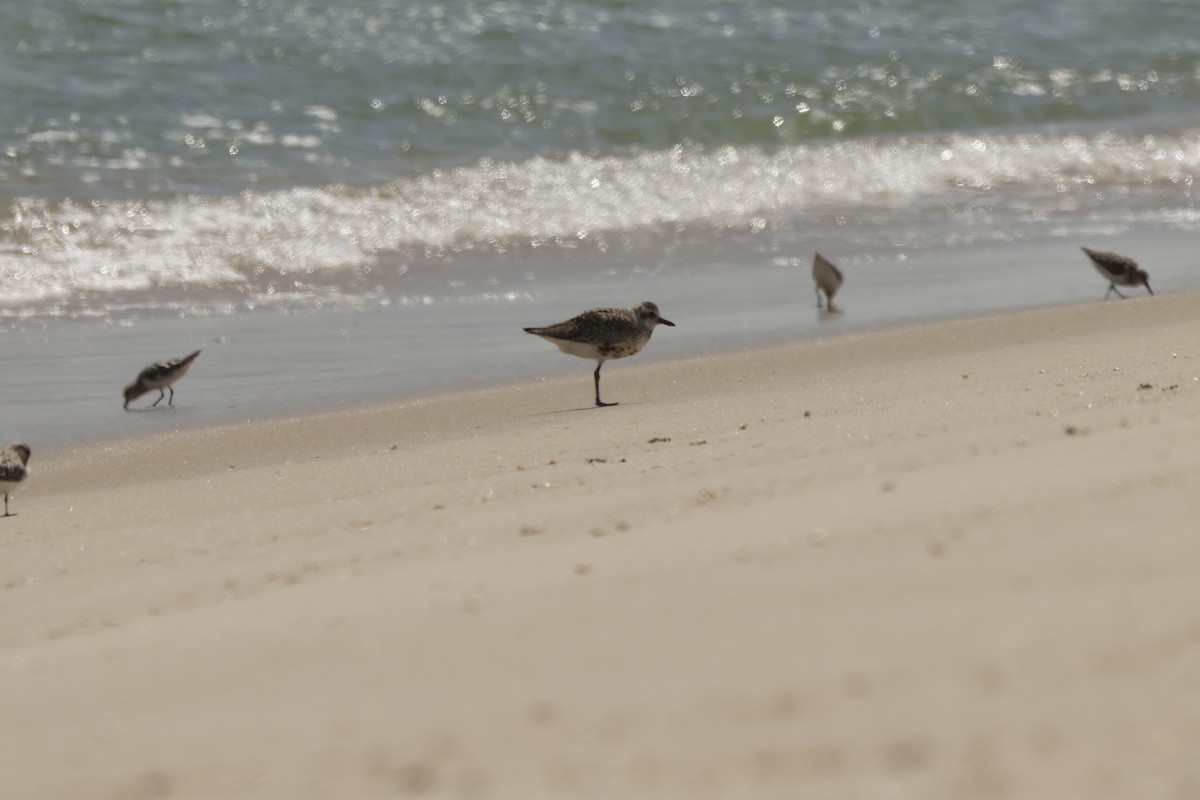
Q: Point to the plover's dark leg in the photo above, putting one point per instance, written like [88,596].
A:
[6,506]
[171,401]
[597,376]
[161,395]
[1112,289]
[818,291]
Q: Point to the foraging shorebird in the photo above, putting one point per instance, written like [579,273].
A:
[159,375]
[1118,270]
[828,279]
[604,333]
[12,469]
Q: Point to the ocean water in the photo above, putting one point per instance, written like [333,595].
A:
[347,203]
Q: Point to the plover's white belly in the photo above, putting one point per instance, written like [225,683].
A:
[617,348]
[580,349]
[624,348]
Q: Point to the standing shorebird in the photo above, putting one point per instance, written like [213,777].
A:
[12,469]
[604,333]
[1118,270]
[828,279]
[159,375]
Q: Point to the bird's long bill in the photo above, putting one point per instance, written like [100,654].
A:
[131,394]
[672,324]
[1148,289]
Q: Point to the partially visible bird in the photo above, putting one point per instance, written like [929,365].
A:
[159,375]
[604,333]
[12,469]
[1118,270]
[828,279]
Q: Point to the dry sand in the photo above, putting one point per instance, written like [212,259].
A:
[958,561]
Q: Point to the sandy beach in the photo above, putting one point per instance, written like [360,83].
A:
[953,561]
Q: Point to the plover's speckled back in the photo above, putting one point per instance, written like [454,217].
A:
[828,279]
[604,333]
[13,469]
[159,375]
[1118,270]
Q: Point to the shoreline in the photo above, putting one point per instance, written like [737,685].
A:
[940,560]
[64,381]
[557,368]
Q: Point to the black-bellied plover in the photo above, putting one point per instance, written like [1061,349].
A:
[604,333]
[828,279]
[12,469]
[1118,270]
[159,375]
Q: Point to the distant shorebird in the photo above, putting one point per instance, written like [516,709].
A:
[12,469]
[159,375]
[604,333]
[828,279]
[1118,270]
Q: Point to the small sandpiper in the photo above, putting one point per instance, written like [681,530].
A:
[1118,270]
[159,375]
[828,279]
[604,333]
[12,469]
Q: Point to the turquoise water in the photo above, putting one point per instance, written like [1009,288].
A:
[230,162]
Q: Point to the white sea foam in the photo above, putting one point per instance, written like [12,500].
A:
[271,244]
[201,121]
[323,113]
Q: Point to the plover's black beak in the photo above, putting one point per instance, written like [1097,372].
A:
[672,324]
[1148,289]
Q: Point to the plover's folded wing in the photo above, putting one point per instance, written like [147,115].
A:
[11,468]
[155,372]
[165,370]
[1111,263]
[568,331]
[599,324]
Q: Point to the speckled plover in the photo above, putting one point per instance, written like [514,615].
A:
[159,375]
[604,333]
[1118,270]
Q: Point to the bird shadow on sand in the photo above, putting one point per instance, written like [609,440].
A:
[588,408]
